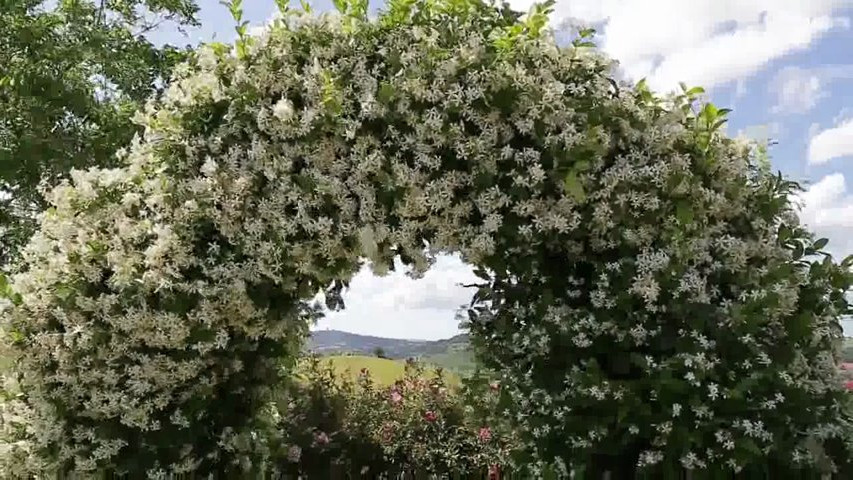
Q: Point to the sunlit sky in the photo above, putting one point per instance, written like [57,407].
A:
[784,66]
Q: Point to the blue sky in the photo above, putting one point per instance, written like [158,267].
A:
[785,67]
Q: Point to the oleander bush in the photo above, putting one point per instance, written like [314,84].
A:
[329,426]
[650,301]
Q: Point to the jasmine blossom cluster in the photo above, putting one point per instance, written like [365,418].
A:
[645,283]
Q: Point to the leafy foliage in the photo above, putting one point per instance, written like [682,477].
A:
[73,75]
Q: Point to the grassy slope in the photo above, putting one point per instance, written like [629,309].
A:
[383,371]
[458,361]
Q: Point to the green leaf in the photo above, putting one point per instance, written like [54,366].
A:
[684,212]
[586,32]
[784,233]
[64,292]
[582,166]
[798,326]
[242,51]
[799,250]
[718,124]
[386,92]
[750,446]
[16,337]
[820,243]
[695,91]
[574,187]
[283,6]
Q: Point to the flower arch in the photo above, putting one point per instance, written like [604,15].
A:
[643,285]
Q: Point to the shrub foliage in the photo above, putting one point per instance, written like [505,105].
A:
[329,426]
[649,297]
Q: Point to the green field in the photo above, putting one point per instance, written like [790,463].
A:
[383,370]
[461,362]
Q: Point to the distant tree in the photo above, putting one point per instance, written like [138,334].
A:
[379,352]
[73,75]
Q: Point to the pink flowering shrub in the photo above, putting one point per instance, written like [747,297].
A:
[419,425]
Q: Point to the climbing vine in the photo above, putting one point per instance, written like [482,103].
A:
[648,295]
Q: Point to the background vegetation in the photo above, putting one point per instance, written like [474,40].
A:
[74,74]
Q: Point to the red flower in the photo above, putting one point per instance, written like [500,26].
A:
[494,472]
[849,385]
[485,434]
[430,416]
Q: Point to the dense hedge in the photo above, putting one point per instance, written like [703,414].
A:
[649,297]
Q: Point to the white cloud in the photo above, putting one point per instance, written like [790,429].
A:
[798,90]
[738,54]
[823,201]
[832,143]
[701,42]
[827,210]
[769,131]
[397,306]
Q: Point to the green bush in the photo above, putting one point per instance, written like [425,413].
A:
[329,426]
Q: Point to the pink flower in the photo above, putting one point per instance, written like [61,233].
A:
[849,385]
[430,416]
[495,386]
[396,397]
[320,438]
[494,472]
[485,434]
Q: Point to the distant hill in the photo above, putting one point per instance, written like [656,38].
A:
[451,353]
[335,341]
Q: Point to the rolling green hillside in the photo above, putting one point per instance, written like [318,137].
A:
[461,362]
[383,370]
[452,354]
